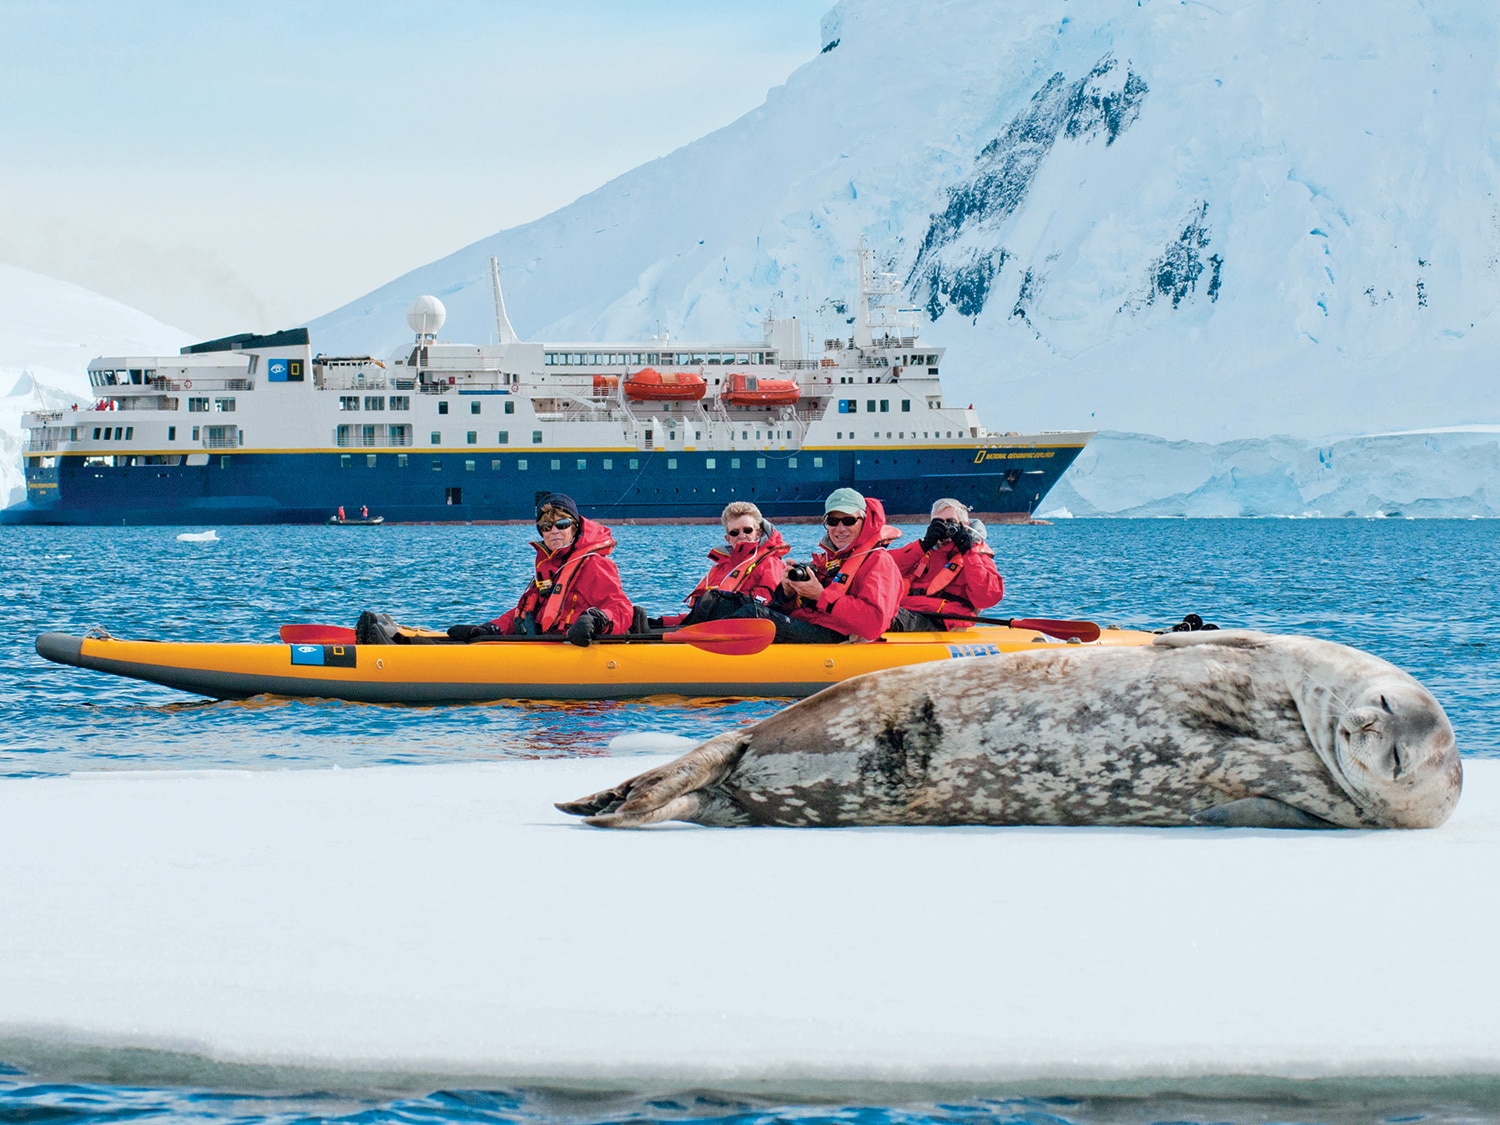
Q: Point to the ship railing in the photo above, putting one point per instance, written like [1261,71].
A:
[230,440]
[196,383]
[42,445]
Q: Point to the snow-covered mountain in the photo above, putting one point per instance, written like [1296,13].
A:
[49,330]
[1438,473]
[1196,221]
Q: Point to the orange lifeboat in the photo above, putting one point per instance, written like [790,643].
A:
[752,390]
[651,385]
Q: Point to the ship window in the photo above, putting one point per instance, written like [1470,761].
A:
[119,432]
[468,466]
[374,402]
[195,433]
[399,435]
[709,463]
[437,464]
[760,462]
[129,433]
[521,464]
[369,460]
[671,462]
[344,461]
[608,464]
[556,464]
[442,408]
[171,433]
[198,406]
[224,406]
[697,435]
[818,461]
[224,461]
[744,436]
[536,437]
[906,406]
[400,402]
[582,464]
[453,496]
[472,437]
[495,465]
[734,462]
[841,435]
[348,402]
[510,408]
[504,437]
[401,460]
[791,462]
[848,406]
[634,463]
[437,438]
[474,407]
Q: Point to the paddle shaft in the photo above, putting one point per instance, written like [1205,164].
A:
[1083,630]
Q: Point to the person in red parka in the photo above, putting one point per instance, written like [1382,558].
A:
[747,568]
[852,588]
[577,588]
[951,570]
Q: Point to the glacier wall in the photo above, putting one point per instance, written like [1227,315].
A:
[1441,473]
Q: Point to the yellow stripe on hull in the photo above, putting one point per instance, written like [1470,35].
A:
[524,669]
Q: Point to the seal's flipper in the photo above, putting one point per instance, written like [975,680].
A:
[1259,812]
[669,792]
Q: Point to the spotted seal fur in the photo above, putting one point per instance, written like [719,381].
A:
[1227,728]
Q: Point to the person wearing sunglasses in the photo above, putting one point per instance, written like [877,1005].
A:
[950,571]
[850,588]
[746,569]
[576,590]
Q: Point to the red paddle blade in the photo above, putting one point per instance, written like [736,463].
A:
[1083,630]
[735,637]
[316,635]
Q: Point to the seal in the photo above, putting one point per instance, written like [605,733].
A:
[1227,728]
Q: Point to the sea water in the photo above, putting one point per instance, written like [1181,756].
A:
[1419,593]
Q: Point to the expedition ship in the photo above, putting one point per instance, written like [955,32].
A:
[258,429]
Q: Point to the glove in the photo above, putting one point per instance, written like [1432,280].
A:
[962,538]
[936,532]
[466,633]
[655,623]
[590,623]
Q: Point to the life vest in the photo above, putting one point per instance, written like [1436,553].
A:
[742,573]
[547,597]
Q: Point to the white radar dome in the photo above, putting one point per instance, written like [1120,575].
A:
[426,316]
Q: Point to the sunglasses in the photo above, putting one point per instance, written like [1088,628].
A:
[547,525]
[841,521]
[735,532]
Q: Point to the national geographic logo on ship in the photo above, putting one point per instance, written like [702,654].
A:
[983,455]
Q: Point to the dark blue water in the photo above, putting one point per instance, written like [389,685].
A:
[1421,594]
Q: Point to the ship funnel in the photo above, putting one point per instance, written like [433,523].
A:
[426,316]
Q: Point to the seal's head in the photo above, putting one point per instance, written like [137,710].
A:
[1394,751]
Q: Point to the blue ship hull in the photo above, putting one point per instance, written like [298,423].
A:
[997,481]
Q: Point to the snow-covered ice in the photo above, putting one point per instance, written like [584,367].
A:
[442,921]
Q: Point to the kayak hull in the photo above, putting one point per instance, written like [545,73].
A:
[532,670]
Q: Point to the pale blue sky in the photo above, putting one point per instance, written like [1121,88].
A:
[235,165]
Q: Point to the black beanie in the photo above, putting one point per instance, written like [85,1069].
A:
[561,501]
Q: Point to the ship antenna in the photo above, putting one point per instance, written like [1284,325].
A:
[502,322]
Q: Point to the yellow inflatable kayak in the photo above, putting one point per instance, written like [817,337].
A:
[546,670]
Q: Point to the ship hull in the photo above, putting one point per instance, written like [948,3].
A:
[999,481]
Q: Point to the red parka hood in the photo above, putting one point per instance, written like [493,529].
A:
[872,533]
[592,536]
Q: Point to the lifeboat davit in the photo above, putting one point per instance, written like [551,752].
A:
[650,385]
[752,390]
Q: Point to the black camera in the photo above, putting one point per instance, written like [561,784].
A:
[798,573]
